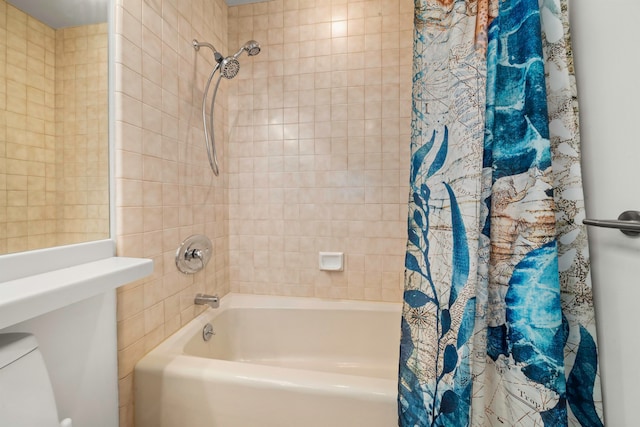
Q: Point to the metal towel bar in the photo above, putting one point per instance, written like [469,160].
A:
[628,223]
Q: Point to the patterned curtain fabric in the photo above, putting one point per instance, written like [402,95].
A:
[498,324]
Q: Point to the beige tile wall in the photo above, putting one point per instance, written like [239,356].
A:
[164,188]
[82,149]
[53,133]
[319,148]
[27,132]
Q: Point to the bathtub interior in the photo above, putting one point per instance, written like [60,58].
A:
[275,362]
[346,341]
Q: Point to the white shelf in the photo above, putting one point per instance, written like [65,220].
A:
[27,297]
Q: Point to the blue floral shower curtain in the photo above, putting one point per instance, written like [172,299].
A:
[498,325]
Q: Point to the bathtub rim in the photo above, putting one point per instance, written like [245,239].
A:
[238,300]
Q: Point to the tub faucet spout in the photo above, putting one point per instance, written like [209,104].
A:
[203,299]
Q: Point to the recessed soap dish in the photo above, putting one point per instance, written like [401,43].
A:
[331,261]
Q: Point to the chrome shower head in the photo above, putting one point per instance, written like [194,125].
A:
[229,67]
[252,48]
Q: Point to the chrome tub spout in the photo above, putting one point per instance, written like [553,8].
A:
[211,300]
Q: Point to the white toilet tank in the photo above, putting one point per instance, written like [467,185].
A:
[26,395]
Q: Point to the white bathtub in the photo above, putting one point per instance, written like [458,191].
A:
[275,362]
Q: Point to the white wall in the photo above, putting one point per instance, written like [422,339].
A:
[607,64]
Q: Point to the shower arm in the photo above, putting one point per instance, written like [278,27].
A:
[197,45]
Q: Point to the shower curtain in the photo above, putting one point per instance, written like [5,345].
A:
[498,326]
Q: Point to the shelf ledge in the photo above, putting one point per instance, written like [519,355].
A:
[27,297]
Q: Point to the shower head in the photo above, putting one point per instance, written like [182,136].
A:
[229,67]
[252,48]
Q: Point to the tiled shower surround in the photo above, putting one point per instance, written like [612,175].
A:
[319,147]
[313,137]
